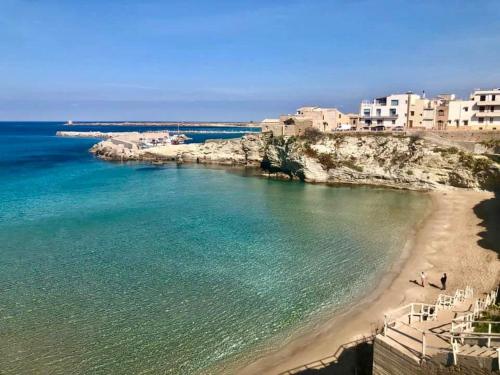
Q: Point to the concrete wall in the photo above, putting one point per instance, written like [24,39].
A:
[297,127]
[468,136]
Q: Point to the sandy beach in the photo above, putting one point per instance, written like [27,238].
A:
[460,237]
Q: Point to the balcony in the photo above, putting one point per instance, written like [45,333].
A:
[388,117]
[487,102]
[488,114]
[378,102]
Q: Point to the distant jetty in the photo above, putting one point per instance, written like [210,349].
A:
[106,135]
[164,123]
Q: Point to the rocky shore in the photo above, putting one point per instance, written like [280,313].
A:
[399,161]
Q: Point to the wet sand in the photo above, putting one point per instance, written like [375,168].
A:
[460,237]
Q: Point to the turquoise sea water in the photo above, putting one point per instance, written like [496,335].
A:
[132,269]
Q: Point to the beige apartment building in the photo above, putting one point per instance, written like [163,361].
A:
[354,121]
[430,113]
[416,115]
[323,119]
[480,112]
[285,126]
[460,114]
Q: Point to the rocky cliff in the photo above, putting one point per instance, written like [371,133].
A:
[389,160]
[372,159]
[245,151]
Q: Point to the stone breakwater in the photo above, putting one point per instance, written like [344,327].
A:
[245,151]
[406,162]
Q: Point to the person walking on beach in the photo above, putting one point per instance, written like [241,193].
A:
[443,281]
[422,278]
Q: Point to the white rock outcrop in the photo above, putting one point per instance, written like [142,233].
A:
[372,159]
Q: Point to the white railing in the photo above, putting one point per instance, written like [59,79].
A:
[462,327]
[463,323]
[469,292]
[445,302]
[410,312]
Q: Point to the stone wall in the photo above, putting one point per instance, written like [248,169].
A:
[467,136]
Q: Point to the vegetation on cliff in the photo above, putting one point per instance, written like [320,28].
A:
[378,159]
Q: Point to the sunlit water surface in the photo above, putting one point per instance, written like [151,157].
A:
[115,268]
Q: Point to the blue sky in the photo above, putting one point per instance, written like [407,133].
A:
[235,60]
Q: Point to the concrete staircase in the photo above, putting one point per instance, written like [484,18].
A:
[478,351]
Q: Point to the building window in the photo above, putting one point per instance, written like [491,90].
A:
[481,120]
[392,111]
[457,122]
[493,97]
[441,112]
[466,109]
[412,113]
[411,123]
[482,98]
[449,121]
[466,122]
[394,102]
[379,122]
[393,122]
[491,120]
[379,112]
[366,112]
[481,109]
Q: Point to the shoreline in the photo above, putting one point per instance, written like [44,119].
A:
[395,288]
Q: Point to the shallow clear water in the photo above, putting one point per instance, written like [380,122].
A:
[116,268]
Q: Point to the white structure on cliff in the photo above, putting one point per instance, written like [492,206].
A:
[486,109]
[387,112]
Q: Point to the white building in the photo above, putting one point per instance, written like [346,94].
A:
[486,109]
[460,114]
[387,112]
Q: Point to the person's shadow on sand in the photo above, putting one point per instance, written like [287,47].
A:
[435,286]
[415,282]
[430,284]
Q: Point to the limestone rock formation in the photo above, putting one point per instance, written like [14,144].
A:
[388,160]
[398,161]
